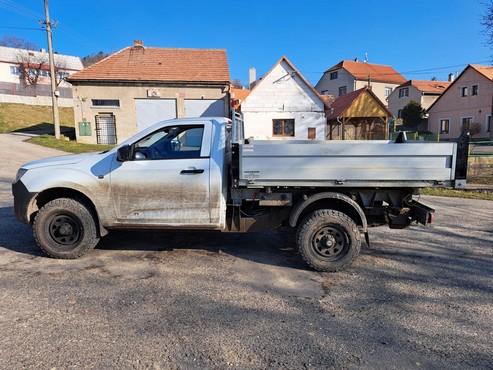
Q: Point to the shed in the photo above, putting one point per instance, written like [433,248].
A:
[358,115]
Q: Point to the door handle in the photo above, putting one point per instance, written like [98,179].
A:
[192,171]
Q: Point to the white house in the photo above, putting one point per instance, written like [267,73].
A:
[283,105]
[25,76]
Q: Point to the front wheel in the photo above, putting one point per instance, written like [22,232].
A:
[65,228]
[328,240]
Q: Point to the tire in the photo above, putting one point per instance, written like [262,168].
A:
[328,240]
[65,228]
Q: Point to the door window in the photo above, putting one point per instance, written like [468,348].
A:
[173,142]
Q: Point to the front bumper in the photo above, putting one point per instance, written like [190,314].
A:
[22,199]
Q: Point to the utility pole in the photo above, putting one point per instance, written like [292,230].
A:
[54,92]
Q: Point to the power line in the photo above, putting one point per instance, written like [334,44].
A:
[19,9]
[23,28]
[28,13]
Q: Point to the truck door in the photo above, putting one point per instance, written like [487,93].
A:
[167,179]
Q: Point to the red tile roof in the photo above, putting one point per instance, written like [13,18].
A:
[437,87]
[139,63]
[486,71]
[378,73]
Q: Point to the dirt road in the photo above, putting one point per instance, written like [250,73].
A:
[420,298]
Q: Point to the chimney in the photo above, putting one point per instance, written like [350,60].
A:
[451,77]
[252,78]
[138,44]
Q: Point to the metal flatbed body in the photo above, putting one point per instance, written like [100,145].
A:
[349,163]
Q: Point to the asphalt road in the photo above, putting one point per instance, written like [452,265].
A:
[420,298]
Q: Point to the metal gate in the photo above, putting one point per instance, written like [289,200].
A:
[106,128]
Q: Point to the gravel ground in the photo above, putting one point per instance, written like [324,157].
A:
[420,298]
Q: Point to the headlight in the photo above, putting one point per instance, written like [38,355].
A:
[20,173]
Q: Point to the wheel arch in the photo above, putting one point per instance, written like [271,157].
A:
[329,200]
[54,193]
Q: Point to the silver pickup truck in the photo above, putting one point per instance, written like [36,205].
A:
[201,174]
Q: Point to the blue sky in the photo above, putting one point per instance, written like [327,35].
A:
[419,38]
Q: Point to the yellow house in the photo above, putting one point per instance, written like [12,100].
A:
[138,86]
[359,115]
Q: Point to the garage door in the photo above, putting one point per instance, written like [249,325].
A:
[151,111]
[204,108]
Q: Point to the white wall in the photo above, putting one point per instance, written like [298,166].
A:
[35,100]
[283,94]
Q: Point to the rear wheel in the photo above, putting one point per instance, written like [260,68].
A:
[328,240]
[65,228]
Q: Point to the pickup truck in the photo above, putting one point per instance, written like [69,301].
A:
[201,174]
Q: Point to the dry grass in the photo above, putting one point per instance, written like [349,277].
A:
[68,146]
[17,117]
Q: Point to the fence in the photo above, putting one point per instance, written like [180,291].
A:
[480,163]
[9,88]
[414,135]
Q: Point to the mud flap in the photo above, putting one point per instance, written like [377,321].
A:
[367,239]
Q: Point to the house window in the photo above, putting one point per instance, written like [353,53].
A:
[62,75]
[325,92]
[474,90]
[399,113]
[444,126]
[15,71]
[312,133]
[387,91]
[333,75]
[488,124]
[404,93]
[105,103]
[463,91]
[466,123]
[106,128]
[283,127]
[342,90]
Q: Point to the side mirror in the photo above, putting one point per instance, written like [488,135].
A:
[123,153]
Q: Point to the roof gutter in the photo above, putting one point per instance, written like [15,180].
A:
[147,82]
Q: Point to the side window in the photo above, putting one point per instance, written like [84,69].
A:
[175,142]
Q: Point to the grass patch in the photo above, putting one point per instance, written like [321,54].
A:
[481,180]
[23,117]
[452,193]
[68,146]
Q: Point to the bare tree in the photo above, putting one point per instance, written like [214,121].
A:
[35,66]
[487,23]
[474,129]
[14,41]
[32,65]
